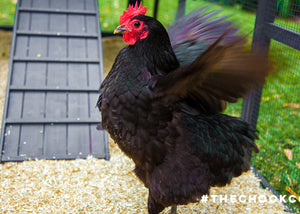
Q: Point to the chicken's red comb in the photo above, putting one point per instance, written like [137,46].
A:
[132,11]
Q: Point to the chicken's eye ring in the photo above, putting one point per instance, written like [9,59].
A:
[137,24]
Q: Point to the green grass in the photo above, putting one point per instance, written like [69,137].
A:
[279,116]
[7,12]
[278,124]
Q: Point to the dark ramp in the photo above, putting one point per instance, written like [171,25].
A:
[54,75]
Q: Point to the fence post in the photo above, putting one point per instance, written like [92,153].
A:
[265,14]
[180,9]
[155,8]
[132,2]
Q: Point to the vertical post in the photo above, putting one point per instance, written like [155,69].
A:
[132,2]
[265,14]
[155,8]
[180,9]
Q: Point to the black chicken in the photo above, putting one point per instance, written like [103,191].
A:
[162,103]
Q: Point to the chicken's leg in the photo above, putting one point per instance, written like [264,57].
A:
[173,210]
[153,206]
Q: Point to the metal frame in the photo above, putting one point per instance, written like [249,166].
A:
[264,31]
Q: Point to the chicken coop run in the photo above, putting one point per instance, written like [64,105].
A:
[56,66]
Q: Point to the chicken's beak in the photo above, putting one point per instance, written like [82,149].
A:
[121,29]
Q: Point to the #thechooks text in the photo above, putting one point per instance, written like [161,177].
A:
[249,198]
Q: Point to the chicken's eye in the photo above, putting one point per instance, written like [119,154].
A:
[136,24]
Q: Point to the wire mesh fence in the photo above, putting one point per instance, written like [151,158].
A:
[278,123]
[289,15]
[279,120]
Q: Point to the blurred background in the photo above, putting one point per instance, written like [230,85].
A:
[279,114]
